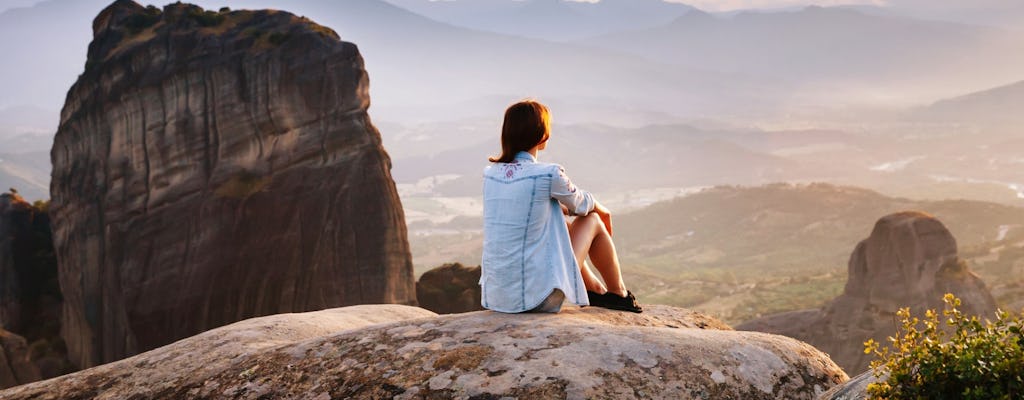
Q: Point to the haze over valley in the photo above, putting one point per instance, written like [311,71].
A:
[908,104]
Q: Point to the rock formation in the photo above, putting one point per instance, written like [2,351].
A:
[15,367]
[15,216]
[910,260]
[215,166]
[449,289]
[30,298]
[665,352]
[854,389]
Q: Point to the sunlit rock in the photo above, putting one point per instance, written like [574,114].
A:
[663,353]
[910,260]
[216,166]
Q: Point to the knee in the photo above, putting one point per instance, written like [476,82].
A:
[598,224]
[591,220]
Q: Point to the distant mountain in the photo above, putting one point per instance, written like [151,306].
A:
[27,120]
[603,158]
[741,252]
[999,105]
[557,20]
[1003,13]
[790,234]
[8,4]
[27,172]
[418,67]
[835,47]
[44,50]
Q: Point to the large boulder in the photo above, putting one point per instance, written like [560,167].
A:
[215,166]
[15,367]
[449,289]
[162,372]
[665,352]
[909,260]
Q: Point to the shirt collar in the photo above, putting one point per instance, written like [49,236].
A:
[525,156]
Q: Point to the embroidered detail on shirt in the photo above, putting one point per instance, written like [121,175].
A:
[511,169]
[572,188]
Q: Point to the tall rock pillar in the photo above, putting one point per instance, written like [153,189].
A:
[216,166]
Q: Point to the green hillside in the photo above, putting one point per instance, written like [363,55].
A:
[742,252]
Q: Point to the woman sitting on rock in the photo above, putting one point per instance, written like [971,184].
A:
[532,258]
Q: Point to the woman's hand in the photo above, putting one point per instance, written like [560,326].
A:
[605,215]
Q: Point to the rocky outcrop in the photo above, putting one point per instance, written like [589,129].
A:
[14,213]
[449,289]
[215,166]
[30,298]
[591,352]
[910,260]
[15,367]
[160,373]
[854,389]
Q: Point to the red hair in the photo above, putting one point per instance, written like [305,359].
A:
[527,124]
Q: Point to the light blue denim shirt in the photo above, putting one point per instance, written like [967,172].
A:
[527,252]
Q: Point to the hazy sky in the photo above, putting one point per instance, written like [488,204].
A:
[708,5]
[5,4]
[727,5]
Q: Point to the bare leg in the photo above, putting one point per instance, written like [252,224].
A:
[589,237]
[580,251]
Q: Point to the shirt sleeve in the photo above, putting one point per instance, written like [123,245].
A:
[579,202]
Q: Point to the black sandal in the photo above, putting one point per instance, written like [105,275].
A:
[613,301]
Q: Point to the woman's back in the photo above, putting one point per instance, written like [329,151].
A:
[533,257]
[527,251]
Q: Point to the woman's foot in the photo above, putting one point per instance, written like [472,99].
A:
[615,302]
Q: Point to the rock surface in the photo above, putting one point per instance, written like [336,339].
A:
[160,373]
[854,389]
[30,298]
[215,166]
[910,260]
[14,212]
[15,367]
[449,289]
[665,352]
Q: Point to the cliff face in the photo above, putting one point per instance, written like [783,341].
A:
[909,260]
[215,166]
[30,298]
[15,217]
[391,351]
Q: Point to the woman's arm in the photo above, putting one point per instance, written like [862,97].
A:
[605,215]
[576,201]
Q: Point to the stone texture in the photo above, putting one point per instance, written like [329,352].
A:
[449,289]
[30,298]
[909,260]
[664,353]
[15,216]
[854,389]
[215,166]
[15,367]
[159,373]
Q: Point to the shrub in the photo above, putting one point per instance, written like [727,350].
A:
[139,22]
[978,361]
[277,38]
[206,18]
